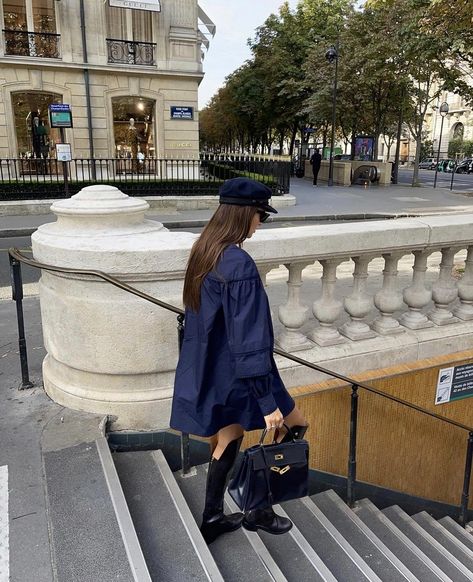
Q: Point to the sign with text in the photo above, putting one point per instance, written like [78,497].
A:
[178,112]
[60,115]
[454,383]
[63,152]
[151,5]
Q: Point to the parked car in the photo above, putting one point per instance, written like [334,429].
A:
[427,164]
[446,165]
[465,166]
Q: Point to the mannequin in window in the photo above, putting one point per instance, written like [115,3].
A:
[132,142]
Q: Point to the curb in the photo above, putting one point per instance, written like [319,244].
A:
[196,223]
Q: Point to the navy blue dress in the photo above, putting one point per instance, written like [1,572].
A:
[226,372]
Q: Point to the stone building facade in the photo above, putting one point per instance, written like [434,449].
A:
[130,71]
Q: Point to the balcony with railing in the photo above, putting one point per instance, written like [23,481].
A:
[24,43]
[128,52]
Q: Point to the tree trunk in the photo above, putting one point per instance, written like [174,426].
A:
[415,175]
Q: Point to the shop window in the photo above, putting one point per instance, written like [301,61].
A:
[34,137]
[30,28]
[133,125]
[129,36]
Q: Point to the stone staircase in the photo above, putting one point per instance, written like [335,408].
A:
[328,542]
[158,512]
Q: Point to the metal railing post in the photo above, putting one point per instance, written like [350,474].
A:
[17,296]
[351,480]
[466,481]
[185,442]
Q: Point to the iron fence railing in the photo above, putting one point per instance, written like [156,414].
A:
[131,53]
[16,258]
[24,43]
[44,178]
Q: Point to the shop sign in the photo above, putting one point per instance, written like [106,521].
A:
[454,383]
[60,115]
[63,152]
[178,112]
[151,5]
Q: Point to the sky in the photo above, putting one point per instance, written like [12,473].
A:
[236,21]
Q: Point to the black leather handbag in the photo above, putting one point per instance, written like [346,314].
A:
[270,474]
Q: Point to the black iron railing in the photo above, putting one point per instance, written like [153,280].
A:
[40,178]
[24,43]
[129,52]
[16,258]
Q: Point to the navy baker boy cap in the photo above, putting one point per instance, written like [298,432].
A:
[246,192]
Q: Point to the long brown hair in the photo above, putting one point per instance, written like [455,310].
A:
[230,224]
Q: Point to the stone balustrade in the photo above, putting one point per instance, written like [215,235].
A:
[351,297]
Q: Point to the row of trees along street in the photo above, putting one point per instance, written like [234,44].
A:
[396,57]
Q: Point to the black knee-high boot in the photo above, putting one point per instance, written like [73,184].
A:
[266,519]
[214,521]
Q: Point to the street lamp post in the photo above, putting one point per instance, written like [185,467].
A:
[332,55]
[443,112]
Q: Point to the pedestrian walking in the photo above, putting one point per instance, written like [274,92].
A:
[316,160]
[226,378]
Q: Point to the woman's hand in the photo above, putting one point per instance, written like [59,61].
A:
[274,420]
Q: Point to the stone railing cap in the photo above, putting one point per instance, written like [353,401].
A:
[99,199]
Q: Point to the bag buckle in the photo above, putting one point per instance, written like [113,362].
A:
[280,470]
[278,457]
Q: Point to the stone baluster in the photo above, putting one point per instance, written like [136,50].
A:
[327,309]
[359,303]
[417,296]
[293,314]
[465,290]
[444,290]
[388,299]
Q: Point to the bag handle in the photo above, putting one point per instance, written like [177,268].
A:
[265,432]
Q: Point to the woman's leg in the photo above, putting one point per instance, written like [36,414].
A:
[225,446]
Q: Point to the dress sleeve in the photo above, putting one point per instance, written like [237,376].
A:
[248,326]
[261,390]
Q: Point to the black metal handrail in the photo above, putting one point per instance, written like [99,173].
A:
[16,258]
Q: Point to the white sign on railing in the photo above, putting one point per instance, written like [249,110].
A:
[151,5]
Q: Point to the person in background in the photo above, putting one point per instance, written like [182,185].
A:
[226,378]
[316,160]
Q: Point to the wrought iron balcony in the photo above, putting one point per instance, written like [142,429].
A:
[32,44]
[130,53]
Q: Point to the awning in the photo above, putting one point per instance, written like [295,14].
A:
[151,5]
[209,25]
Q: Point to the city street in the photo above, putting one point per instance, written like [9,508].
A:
[461,182]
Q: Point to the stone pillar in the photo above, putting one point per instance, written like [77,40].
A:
[417,296]
[359,303]
[109,351]
[465,290]
[444,290]
[388,299]
[327,309]
[293,314]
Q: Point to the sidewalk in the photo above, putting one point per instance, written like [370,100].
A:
[320,203]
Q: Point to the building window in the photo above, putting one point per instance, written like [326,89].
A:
[34,137]
[30,28]
[129,36]
[133,125]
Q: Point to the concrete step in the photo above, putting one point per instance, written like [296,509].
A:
[458,531]
[410,555]
[444,537]
[92,535]
[373,551]
[337,554]
[247,559]
[429,545]
[173,548]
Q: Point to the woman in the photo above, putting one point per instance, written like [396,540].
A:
[226,378]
